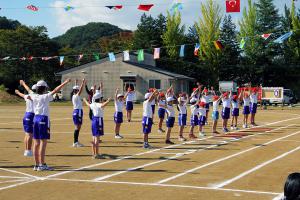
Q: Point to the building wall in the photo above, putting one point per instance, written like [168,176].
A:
[109,73]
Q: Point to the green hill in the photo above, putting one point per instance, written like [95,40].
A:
[83,36]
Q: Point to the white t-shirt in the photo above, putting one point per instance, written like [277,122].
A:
[205,99]
[226,102]
[119,106]
[182,109]
[96,109]
[202,111]
[147,109]
[246,101]
[29,104]
[235,104]
[76,100]
[253,98]
[162,104]
[153,102]
[215,106]
[170,110]
[194,110]
[41,103]
[130,96]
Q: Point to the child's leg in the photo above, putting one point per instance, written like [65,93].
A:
[247,116]
[43,151]
[76,133]
[29,143]
[200,128]
[236,119]
[117,128]
[36,147]
[253,118]
[160,123]
[129,115]
[232,119]
[181,131]
[169,129]
[244,120]
[192,130]
[26,141]
[145,138]
[225,122]
[214,126]
[93,146]
[96,141]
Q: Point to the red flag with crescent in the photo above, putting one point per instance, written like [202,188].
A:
[233,6]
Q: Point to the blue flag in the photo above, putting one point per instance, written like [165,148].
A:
[181,54]
[112,57]
[284,37]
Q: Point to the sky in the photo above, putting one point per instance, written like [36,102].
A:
[52,15]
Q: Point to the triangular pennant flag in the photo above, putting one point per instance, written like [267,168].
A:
[145,7]
[196,50]
[117,7]
[126,56]
[156,53]
[218,45]
[112,57]
[30,58]
[266,36]
[140,55]
[6,58]
[67,8]
[61,60]
[284,37]
[233,6]
[176,7]
[97,56]
[80,57]
[242,43]
[181,53]
[46,58]
[32,7]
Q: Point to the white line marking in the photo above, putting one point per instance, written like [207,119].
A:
[11,181]
[224,158]
[17,172]
[17,184]
[14,177]
[167,185]
[229,181]
[279,197]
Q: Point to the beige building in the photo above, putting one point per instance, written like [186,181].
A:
[121,74]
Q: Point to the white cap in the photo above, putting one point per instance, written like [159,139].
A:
[170,99]
[92,88]
[76,87]
[193,100]
[41,83]
[182,99]
[120,95]
[99,92]
[147,95]
[97,96]
[33,87]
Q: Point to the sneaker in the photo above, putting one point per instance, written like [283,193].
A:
[44,167]
[169,142]
[118,136]
[206,123]
[75,144]
[225,130]
[98,156]
[79,144]
[181,139]
[236,128]
[202,134]
[147,146]
[35,167]
[192,136]
[160,131]
[232,127]
[244,125]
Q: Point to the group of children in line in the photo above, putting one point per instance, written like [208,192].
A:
[37,124]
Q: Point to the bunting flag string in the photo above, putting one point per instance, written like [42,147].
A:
[145,7]
[67,8]
[117,7]
[32,7]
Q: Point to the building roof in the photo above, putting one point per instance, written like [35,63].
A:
[136,64]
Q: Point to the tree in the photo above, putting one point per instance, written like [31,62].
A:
[268,19]
[230,55]
[8,24]
[174,34]
[208,29]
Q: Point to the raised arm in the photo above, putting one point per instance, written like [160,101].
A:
[58,88]
[116,94]
[86,102]
[241,94]
[105,103]
[81,86]
[25,86]
[87,89]
[153,95]
[101,86]
[19,93]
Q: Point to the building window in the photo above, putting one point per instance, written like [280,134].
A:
[154,84]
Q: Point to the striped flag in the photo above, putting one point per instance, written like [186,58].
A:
[32,7]
[156,53]
[196,51]
[126,56]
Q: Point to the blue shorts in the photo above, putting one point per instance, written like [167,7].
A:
[207,106]
[77,116]
[235,112]
[41,127]
[182,119]
[161,113]
[97,126]
[202,120]
[215,115]
[253,108]
[153,108]
[28,122]
[147,125]
[170,122]
[225,113]
[129,105]
[246,110]
[194,120]
[118,117]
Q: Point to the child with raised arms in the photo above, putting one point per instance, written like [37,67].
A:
[97,107]
[205,99]
[129,96]
[170,119]
[147,116]
[246,109]
[182,116]
[235,111]
[253,106]
[194,116]
[162,104]
[202,118]
[41,122]
[28,119]
[77,112]
[215,114]
[118,116]
[226,100]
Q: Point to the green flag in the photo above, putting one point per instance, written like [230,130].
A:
[242,43]
[97,56]
[140,55]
